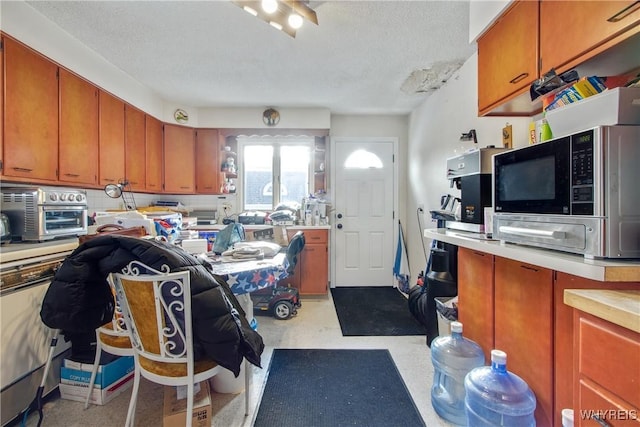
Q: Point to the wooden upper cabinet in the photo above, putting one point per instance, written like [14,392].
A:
[583,27]
[111,155]
[207,167]
[508,55]
[154,154]
[135,155]
[179,160]
[31,114]
[78,147]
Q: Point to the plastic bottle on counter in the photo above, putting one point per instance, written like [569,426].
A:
[453,357]
[495,396]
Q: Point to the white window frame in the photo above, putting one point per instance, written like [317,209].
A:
[276,142]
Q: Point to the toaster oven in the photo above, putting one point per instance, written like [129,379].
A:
[39,214]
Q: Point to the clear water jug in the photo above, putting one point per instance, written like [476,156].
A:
[497,397]
[453,357]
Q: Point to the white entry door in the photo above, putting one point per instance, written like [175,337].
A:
[363,234]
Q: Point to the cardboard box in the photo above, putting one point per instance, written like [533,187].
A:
[78,391]
[107,374]
[174,410]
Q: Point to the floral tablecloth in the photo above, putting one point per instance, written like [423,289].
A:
[248,276]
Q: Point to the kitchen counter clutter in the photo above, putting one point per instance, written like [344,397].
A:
[600,270]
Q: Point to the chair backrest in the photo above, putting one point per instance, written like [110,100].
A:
[157,311]
[296,244]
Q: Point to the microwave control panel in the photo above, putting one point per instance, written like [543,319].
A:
[582,180]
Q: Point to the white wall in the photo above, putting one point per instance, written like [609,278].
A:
[434,132]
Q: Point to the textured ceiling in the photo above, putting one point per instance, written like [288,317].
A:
[364,57]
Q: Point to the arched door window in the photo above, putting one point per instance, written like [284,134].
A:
[363,159]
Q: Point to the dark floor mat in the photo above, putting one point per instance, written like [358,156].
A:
[318,388]
[381,311]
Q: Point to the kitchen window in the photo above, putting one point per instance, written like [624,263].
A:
[274,170]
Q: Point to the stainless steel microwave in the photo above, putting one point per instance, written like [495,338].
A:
[579,193]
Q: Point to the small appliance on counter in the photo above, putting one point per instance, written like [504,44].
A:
[252,218]
[577,193]
[40,213]
[471,173]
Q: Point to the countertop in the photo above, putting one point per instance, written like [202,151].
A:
[619,307]
[577,265]
[18,251]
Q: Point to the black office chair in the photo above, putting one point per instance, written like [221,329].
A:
[296,244]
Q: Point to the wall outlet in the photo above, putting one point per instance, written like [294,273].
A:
[421,207]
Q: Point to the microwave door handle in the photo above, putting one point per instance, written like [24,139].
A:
[529,232]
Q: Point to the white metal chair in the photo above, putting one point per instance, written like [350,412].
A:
[157,312]
[111,337]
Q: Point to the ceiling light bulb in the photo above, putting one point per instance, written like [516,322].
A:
[250,10]
[295,20]
[269,6]
[275,25]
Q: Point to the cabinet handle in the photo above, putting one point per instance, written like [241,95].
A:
[516,79]
[625,12]
[479,253]
[109,180]
[526,267]
[23,170]
[184,187]
[72,175]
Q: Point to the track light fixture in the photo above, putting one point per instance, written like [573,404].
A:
[285,15]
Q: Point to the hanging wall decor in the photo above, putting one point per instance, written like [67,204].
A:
[270,117]
[181,116]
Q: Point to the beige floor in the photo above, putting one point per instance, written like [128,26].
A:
[315,326]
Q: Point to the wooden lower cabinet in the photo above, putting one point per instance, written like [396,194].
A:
[475,297]
[564,350]
[311,275]
[519,308]
[524,328]
[607,362]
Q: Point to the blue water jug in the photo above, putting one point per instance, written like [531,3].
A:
[452,357]
[497,397]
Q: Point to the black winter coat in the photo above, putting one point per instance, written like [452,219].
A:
[79,299]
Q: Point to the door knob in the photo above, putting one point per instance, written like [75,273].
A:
[339,216]
[339,226]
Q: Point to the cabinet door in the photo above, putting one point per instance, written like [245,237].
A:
[563,341]
[135,154]
[315,269]
[111,139]
[524,328]
[179,160]
[475,297]
[78,155]
[207,153]
[583,27]
[31,114]
[153,138]
[508,54]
